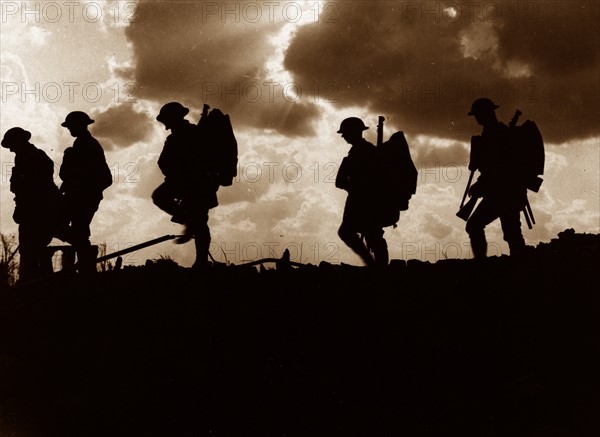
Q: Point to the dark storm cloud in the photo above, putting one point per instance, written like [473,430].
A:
[215,53]
[121,126]
[560,37]
[423,63]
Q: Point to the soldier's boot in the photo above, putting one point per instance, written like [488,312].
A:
[202,243]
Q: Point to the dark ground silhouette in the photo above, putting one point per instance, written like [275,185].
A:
[459,347]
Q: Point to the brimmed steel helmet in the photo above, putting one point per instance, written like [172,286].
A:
[77,118]
[352,124]
[172,111]
[482,104]
[15,135]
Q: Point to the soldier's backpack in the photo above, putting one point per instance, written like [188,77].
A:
[529,151]
[397,176]
[217,132]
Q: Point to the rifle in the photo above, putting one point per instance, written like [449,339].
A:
[380,130]
[136,247]
[527,212]
[462,203]
[465,211]
[205,109]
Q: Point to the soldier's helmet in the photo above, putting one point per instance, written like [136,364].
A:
[15,135]
[77,118]
[172,111]
[352,124]
[482,104]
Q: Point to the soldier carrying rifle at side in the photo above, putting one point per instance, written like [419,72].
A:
[501,186]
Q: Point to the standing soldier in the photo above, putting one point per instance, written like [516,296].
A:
[190,186]
[85,175]
[357,175]
[501,188]
[36,196]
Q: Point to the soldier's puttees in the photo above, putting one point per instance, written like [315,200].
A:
[190,185]
[500,185]
[85,175]
[360,229]
[36,197]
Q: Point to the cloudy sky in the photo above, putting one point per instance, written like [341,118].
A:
[288,73]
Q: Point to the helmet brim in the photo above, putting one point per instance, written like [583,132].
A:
[341,131]
[65,124]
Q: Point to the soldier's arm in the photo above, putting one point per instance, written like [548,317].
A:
[342,179]
[65,168]
[15,180]
[165,160]
[46,166]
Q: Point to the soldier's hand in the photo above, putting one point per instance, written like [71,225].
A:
[475,190]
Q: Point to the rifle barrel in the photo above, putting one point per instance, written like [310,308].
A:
[136,247]
[380,130]
[529,211]
[527,219]
[466,211]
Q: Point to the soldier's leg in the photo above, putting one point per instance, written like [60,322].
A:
[62,219]
[80,223]
[378,245]
[44,253]
[68,259]
[28,262]
[201,239]
[485,213]
[349,235]
[511,228]
[35,259]
[165,198]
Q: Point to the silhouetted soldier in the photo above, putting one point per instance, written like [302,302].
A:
[36,195]
[500,186]
[85,175]
[190,187]
[357,175]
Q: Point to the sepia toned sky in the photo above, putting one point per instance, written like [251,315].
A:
[288,73]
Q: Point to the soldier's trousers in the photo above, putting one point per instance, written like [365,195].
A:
[165,198]
[374,240]
[79,212]
[358,222]
[35,259]
[510,220]
[201,232]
